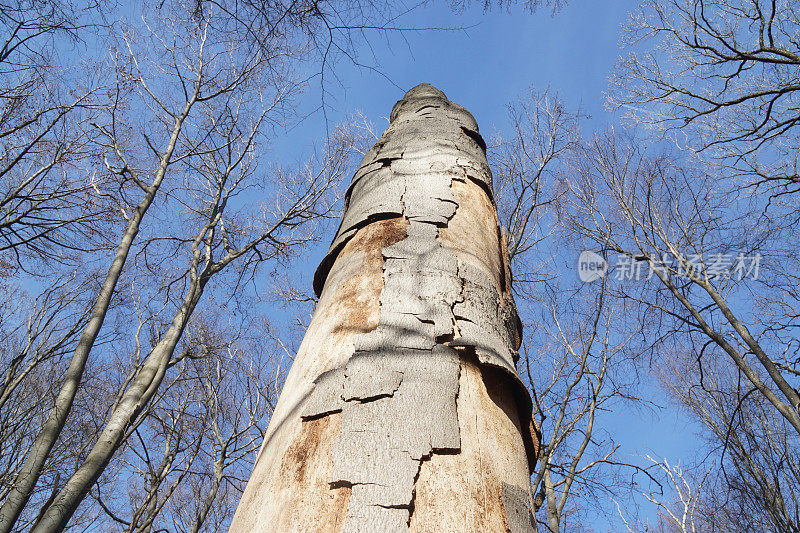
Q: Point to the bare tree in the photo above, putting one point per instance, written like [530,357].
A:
[527,162]
[756,486]
[576,361]
[678,508]
[47,205]
[576,376]
[406,374]
[704,280]
[725,74]
[721,77]
[131,173]
[185,465]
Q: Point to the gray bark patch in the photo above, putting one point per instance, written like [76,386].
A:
[517,505]
[371,376]
[326,397]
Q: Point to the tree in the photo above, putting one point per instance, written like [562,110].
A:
[577,363]
[575,377]
[127,177]
[46,205]
[185,465]
[403,408]
[756,486]
[682,514]
[724,73]
[688,258]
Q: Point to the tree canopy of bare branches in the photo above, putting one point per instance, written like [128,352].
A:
[134,186]
[725,74]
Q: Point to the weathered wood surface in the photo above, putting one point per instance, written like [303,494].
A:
[403,409]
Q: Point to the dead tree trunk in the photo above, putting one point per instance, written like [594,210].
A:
[403,409]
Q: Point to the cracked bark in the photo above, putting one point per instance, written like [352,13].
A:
[403,409]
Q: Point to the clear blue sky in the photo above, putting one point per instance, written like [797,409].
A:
[486,65]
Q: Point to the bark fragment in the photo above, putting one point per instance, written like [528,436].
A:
[517,505]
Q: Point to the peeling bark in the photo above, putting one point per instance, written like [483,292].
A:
[422,379]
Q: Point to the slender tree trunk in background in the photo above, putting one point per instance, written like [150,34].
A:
[403,409]
[29,474]
[552,507]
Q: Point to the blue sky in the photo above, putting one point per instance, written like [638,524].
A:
[494,58]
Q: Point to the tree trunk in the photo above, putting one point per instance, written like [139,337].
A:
[403,409]
[552,509]
[28,475]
